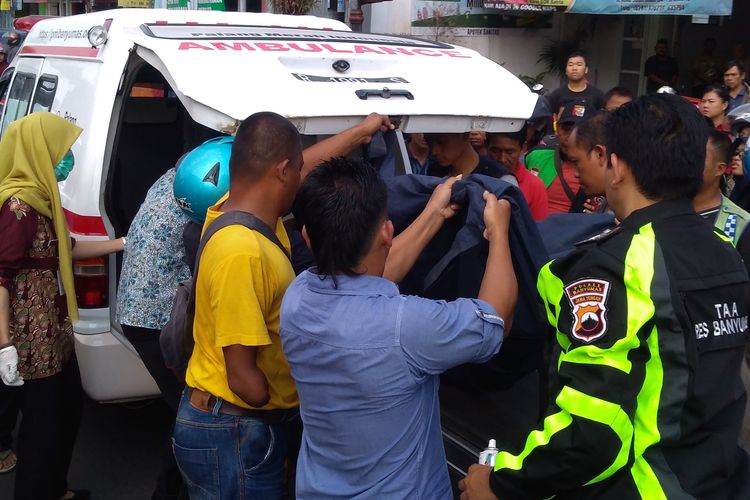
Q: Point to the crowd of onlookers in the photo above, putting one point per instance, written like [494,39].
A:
[303,322]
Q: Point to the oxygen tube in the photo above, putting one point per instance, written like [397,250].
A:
[487,457]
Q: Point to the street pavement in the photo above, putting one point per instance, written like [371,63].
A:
[119,449]
[118,453]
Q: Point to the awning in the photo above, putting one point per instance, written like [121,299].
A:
[638,7]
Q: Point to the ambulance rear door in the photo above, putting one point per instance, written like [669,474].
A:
[327,80]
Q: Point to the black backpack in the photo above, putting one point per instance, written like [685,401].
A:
[176,339]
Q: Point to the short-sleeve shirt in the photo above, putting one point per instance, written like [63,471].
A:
[558,200]
[366,361]
[242,277]
[154,260]
[39,324]
[533,191]
[563,95]
[540,161]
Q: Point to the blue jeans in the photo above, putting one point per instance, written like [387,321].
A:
[228,457]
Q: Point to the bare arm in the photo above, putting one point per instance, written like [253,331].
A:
[90,249]
[245,378]
[4,315]
[499,286]
[408,245]
[343,143]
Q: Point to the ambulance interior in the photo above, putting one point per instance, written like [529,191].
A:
[155,131]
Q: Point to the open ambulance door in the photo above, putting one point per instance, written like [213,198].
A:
[325,81]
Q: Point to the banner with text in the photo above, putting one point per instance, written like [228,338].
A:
[196,5]
[663,7]
[442,20]
[135,4]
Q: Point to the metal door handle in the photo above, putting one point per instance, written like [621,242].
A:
[385,93]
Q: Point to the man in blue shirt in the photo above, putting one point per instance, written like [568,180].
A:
[367,360]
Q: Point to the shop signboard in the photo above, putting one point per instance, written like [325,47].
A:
[178,4]
[210,5]
[637,7]
[444,19]
[135,4]
[195,4]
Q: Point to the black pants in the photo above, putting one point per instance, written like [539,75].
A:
[146,343]
[51,410]
[10,402]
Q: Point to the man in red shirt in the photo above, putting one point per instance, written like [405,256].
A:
[505,148]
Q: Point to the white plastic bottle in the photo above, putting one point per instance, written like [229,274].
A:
[487,457]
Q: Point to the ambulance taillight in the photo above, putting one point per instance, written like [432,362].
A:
[91,282]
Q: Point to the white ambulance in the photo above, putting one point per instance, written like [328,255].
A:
[148,85]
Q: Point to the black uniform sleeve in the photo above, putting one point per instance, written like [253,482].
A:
[586,434]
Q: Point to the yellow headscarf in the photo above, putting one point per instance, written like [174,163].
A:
[29,151]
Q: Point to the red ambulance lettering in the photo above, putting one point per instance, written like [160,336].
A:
[395,51]
[425,52]
[311,47]
[272,47]
[233,46]
[193,45]
[364,49]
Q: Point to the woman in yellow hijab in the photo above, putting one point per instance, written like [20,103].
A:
[38,301]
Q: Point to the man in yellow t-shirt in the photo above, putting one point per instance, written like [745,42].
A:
[231,433]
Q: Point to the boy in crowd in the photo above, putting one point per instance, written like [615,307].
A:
[577,87]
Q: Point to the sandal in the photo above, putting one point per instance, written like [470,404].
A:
[8,461]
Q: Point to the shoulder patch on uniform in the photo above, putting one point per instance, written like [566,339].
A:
[588,299]
[603,236]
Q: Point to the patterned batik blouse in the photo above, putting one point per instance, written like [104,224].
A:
[39,324]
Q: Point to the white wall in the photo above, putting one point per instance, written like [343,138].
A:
[517,49]
[604,48]
[393,18]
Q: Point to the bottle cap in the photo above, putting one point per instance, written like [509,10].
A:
[493,444]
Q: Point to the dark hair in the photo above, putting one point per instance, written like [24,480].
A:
[721,142]
[590,132]
[662,138]
[262,140]
[519,137]
[662,41]
[618,91]
[735,62]
[719,90]
[578,53]
[734,147]
[341,203]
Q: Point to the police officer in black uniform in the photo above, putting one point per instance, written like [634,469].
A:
[651,320]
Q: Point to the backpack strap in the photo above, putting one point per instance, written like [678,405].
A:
[230,219]
[559,169]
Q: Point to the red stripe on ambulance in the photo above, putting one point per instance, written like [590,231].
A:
[56,50]
[85,225]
